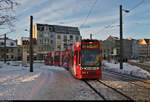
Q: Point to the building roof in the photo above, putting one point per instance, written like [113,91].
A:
[9,43]
[112,38]
[25,38]
[147,41]
[60,29]
[142,42]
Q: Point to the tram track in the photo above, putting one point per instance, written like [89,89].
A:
[97,92]
[134,80]
[129,98]
[125,97]
[137,90]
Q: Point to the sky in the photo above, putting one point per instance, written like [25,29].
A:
[97,17]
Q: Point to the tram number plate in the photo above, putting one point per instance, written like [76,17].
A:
[91,72]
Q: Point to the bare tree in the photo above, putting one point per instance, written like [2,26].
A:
[7,15]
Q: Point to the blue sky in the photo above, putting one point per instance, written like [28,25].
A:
[102,21]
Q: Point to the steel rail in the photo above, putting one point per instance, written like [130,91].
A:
[127,76]
[129,98]
[98,93]
[128,79]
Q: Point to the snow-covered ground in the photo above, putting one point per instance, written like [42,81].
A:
[45,83]
[127,69]
[17,83]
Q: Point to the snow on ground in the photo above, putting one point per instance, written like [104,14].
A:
[17,83]
[127,69]
[45,83]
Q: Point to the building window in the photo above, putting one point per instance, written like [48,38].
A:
[65,45]
[77,38]
[12,50]
[2,43]
[18,50]
[12,56]
[65,38]
[40,28]
[71,37]
[51,36]
[12,44]
[50,29]
[41,35]
[51,41]
[71,44]
[40,41]
[58,37]
[7,50]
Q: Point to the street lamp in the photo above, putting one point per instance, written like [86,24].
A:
[121,36]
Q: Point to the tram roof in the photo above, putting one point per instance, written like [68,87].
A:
[89,40]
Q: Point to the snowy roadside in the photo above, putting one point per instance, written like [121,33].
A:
[127,69]
[17,83]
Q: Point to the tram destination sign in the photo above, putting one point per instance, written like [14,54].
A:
[90,46]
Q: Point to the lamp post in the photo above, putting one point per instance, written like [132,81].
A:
[121,36]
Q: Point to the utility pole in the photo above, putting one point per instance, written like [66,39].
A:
[121,42]
[31,42]
[5,48]
[91,36]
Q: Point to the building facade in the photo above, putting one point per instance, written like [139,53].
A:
[144,48]
[54,38]
[111,48]
[13,51]
[25,44]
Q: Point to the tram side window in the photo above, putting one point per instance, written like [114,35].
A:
[47,58]
[76,53]
[79,57]
[56,58]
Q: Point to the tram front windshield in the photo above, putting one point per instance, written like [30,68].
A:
[90,58]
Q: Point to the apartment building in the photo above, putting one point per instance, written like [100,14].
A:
[144,48]
[13,51]
[54,38]
[111,48]
[25,43]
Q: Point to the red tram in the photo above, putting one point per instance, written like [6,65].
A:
[57,58]
[84,62]
[48,59]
